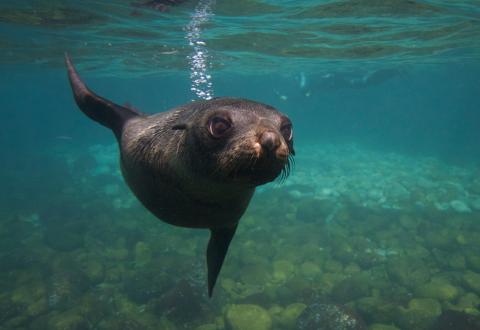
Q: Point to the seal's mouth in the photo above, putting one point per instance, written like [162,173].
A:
[262,170]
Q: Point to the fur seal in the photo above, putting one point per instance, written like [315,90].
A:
[196,165]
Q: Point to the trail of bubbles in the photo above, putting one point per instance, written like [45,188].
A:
[198,59]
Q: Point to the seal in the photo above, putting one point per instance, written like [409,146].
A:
[198,164]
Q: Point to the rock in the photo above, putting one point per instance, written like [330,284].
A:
[239,291]
[38,307]
[9,310]
[68,320]
[328,317]
[468,301]
[310,270]
[282,270]
[352,268]
[115,272]
[288,316]
[379,326]
[220,322]
[92,307]
[420,314]
[440,239]
[342,251]
[375,309]
[131,317]
[426,184]
[437,289]
[408,271]
[64,288]
[63,229]
[283,294]
[398,191]
[117,253]
[182,303]
[476,204]
[111,189]
[375,194]
[209,326]
[251,257]
[408,222]
[64,237]
[327,281]
[472,281]
[94,270]
[254,274]
[143,254]
[454,320]
[333,266]
[352,288]
[301,286]
[247,317]
[28,294]
[460,206]
[128,311]
[314,210]
[475,186]
[275,313]
[457,261]
[144,285]
[473,261]
[461,239]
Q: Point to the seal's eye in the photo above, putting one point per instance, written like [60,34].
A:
[218,126]
[287,131]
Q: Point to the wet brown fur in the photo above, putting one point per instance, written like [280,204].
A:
[188,176]
[171,169]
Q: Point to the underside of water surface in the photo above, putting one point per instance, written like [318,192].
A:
[377,227]
[129,38]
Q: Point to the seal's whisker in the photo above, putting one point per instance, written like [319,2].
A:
[230,165]
[287,169]
[252,160]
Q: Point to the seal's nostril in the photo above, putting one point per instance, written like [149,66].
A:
[269,141]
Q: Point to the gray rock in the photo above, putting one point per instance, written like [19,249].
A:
[476,204]
[327,317]
[460,206]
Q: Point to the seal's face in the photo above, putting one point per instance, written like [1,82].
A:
[244,141]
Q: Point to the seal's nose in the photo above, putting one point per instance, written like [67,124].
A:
[269,141]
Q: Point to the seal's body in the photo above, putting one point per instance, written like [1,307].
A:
[197,165]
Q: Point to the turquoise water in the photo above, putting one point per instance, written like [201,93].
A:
[377,227]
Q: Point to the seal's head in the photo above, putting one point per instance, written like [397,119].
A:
[241,141]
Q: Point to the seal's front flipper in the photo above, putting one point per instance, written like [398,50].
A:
[97,108]
[217,249]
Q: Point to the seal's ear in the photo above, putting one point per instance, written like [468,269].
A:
[97,108]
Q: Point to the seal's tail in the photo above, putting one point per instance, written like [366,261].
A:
[101,110]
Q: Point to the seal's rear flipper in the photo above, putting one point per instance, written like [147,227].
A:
[217,249]
[97,108]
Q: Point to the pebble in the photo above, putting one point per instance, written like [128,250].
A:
[460,206]
[476,204]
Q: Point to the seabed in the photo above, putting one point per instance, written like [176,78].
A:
[355,238]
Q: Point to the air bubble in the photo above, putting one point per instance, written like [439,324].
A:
[199,59]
